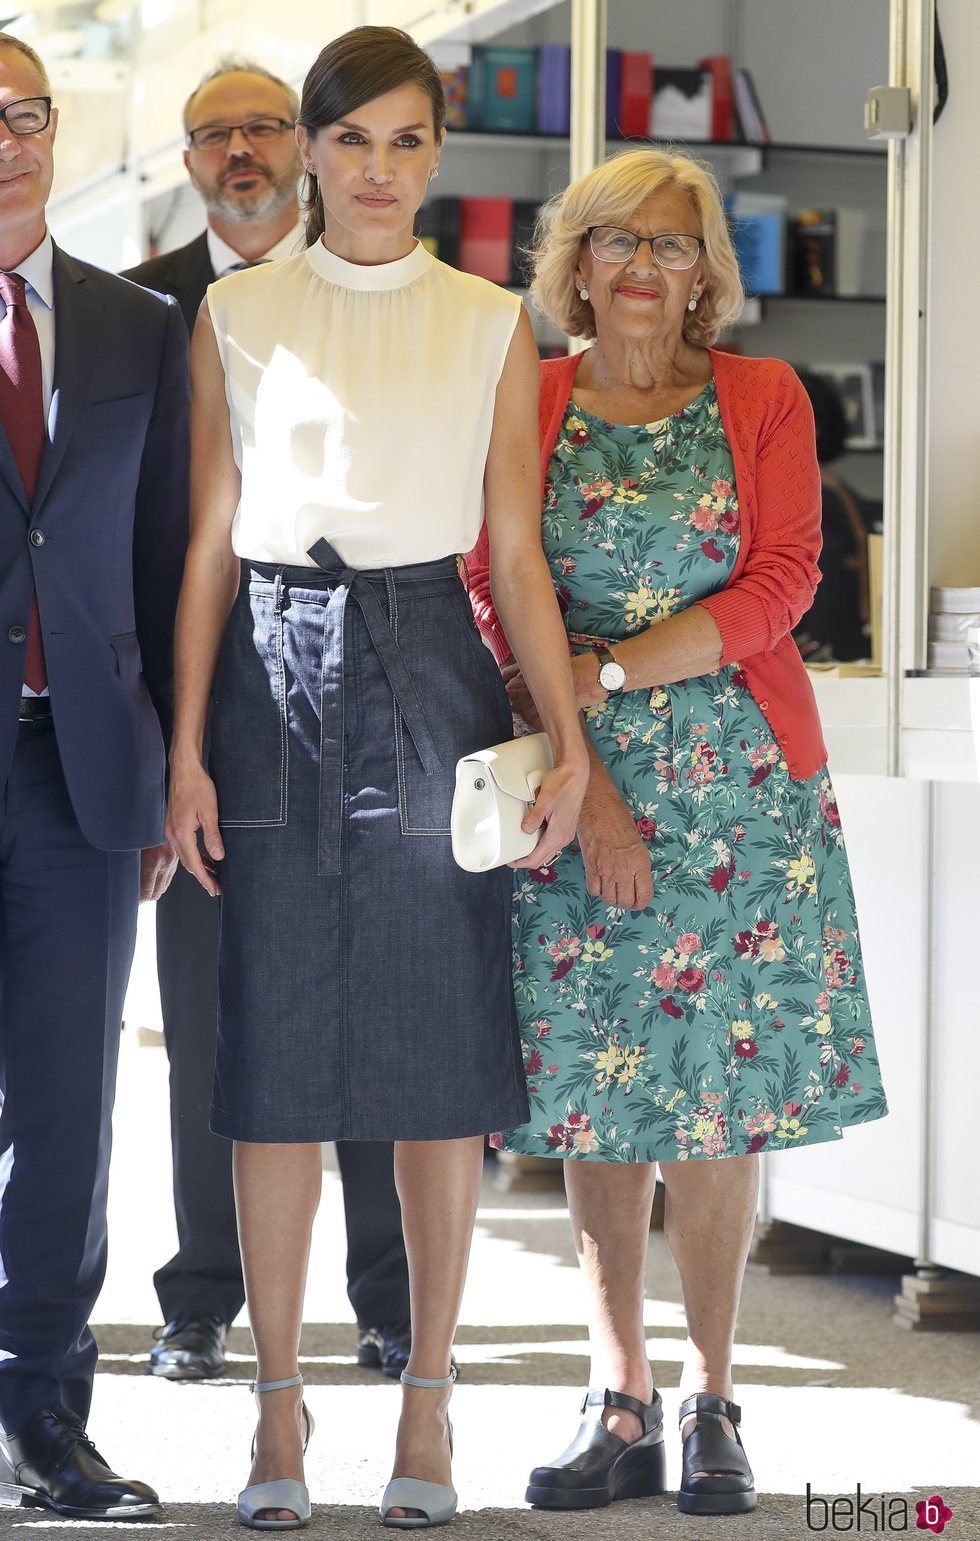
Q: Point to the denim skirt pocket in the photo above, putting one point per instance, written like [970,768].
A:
[465,701]
[249,740]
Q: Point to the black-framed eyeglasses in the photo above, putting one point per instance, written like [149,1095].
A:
[611,244]
[31,115]
[217,136]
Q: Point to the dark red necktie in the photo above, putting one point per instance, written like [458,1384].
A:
[22,411]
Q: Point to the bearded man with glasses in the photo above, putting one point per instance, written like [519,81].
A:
[241,157]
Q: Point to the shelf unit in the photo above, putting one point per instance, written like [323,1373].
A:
[758,152]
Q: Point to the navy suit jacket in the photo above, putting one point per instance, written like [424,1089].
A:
[184,273]
[109,527]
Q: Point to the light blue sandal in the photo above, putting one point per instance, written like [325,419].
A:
[436,1504]
[285,1492]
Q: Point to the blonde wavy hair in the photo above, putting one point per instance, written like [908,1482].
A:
[610,195]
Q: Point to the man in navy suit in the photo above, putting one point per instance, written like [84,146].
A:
[241,157]
[93,515]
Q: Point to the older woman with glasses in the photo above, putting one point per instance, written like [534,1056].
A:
[689,976]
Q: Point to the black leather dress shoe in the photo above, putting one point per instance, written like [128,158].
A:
[52,1464]
[598,1467]
[717,1477]
[190,1348]
[387,1349]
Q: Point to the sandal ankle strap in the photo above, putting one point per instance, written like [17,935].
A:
[276,1385]
[428,1385]
[649,1413]
[707,1404]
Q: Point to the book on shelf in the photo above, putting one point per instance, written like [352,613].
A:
[719,67]
[878,397]
[853,384]
[490,237]
[554,88]
[955,601]
[876,594]
[812,264]
[523,224]
[455,86]
[758,225]
[636,73]
[827,251]
[614,82]
[682,105]
[750,120]
[952,628]
[486,237]
[502,90]
[452,60]
[850,228]
[438,225]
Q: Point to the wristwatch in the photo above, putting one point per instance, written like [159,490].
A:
[612,675]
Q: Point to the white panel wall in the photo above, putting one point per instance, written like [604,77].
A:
[954,316]
[866,1186]
[956,1009]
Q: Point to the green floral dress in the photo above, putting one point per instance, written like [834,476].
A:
[731,1015]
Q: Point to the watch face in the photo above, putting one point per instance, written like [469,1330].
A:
[612,676]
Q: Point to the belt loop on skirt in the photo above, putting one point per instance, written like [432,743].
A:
[351,582]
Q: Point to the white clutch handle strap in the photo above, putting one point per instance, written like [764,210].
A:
[534,780]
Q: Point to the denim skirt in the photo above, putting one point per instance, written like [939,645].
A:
[365,986]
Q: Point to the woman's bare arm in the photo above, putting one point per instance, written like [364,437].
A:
[523,592]
[211,576]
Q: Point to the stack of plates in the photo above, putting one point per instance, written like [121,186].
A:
[952,612]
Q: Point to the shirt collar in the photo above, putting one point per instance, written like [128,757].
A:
[37,270]
[224,256]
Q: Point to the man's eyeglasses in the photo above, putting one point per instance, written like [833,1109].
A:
[30,115]
[610,244]
[217,136]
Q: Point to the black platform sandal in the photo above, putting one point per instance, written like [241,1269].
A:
[598,1467]
[724,1483]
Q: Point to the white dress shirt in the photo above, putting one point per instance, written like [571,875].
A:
[37,273]
[224,257]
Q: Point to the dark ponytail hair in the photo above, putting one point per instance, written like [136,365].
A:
[355,68]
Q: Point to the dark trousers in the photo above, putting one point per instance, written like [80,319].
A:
[205,1275]
[67,932]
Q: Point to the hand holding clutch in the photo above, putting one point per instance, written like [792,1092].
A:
[494,789]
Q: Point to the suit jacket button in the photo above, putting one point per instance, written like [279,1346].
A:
[17,634]
[37,539]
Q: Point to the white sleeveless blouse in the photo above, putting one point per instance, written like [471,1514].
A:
[361,403]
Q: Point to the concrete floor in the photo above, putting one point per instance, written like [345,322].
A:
[833,1394]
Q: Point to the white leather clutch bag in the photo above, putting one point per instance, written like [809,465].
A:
[494,789]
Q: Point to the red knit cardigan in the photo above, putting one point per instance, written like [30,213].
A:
[769,426]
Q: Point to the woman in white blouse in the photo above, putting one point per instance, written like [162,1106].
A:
[355,409]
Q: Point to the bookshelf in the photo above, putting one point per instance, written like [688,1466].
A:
[751,157]
[820,299]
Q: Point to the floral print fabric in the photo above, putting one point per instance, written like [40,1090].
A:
[731,1015]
